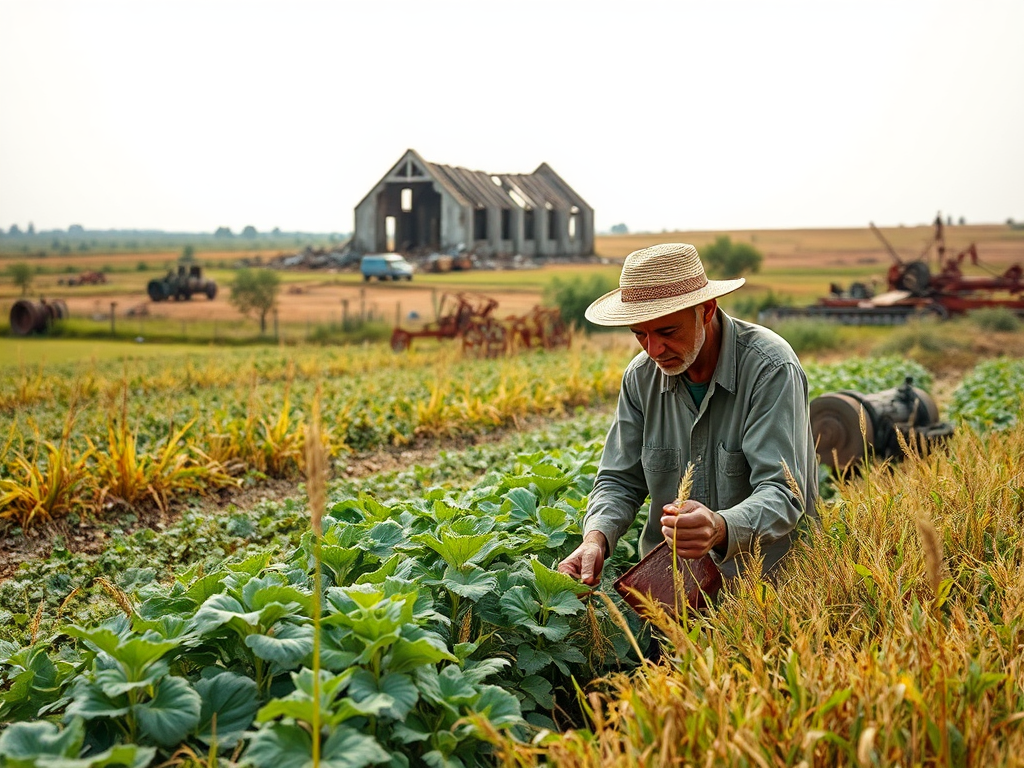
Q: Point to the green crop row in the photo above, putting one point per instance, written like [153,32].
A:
[991,396]
[433,609]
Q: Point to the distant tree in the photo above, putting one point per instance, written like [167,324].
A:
[276,232]
[962,221]
[728,259]
[254,292]
[76,229]
[223,232]
[21,276]
[249,232]
[572,297]
[620,229]
[31,229]
[14,231]
[188,254]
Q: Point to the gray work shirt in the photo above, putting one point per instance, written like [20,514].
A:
[753,420]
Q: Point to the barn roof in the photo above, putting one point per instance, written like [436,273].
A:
[480,189]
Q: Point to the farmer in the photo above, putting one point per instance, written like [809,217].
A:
[727,396]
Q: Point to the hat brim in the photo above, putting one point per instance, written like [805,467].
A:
[610,310]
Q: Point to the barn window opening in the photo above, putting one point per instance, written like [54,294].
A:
[480,224]
[506,224]
[572,227]
[528,225]
[406,199]
[389,234]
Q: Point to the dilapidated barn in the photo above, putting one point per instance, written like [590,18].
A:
[420,207]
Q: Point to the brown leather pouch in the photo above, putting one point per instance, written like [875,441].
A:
[698,580]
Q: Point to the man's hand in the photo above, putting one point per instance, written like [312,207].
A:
[693,528]
[587,560]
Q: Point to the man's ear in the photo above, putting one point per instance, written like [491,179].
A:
[710,308]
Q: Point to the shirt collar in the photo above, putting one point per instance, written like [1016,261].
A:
[725,370]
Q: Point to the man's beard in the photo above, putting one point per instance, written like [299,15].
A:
[699,336]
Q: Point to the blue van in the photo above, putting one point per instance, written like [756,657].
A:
[385,266]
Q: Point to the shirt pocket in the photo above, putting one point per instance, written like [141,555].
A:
[659,459]
[733,477]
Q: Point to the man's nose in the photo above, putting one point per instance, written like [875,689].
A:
[655,346]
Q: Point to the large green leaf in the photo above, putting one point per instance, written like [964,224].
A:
[472,583]
[407,655]
[135,654]
[23,741]
[286,644]
[551,582]
[234,699]
[171,714]
[499,706]
[523,504]
[399,689]
[382,538]
[225,611]
[41,745]
[205,586]
[458,551]
[456,690]
[289,746]
[114,682]
[263,592]
[89,701]
[520,607]
[33,681]
[339,560]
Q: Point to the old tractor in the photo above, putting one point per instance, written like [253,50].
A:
[470,318]
[181,285]
[915,290]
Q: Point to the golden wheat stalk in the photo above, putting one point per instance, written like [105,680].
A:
[682,494]
[932,546]
[119,596]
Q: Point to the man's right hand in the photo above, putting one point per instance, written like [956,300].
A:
[587,560]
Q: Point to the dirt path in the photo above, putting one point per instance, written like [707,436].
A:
[311,302]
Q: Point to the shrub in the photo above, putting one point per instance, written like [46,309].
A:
[809,335]
[750,305]
[572,297]
[728,259]
[995,319]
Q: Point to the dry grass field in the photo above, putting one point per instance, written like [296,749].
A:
[798,263]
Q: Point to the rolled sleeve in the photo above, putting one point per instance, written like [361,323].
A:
[620,488]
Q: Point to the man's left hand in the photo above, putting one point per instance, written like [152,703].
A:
[693,528]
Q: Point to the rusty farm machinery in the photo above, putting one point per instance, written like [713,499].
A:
[470,319]
[916,289]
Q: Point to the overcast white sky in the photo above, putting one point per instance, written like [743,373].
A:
[186,116]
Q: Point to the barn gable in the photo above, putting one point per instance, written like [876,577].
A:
[420,207]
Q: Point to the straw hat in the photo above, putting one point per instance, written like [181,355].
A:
[658,281]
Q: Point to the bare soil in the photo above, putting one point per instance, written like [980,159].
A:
[319,302]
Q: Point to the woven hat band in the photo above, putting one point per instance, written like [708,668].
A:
[664,291]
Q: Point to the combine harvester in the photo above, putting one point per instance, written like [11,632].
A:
[915,291]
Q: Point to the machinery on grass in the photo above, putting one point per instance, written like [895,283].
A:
[36,316]
[849,426]
[181,285]
[915,289]
[85,278]
[470,317]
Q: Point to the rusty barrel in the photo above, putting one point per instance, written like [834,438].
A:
[848,425]
[36,316]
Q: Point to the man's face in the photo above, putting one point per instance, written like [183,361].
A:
[673,341]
